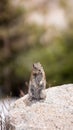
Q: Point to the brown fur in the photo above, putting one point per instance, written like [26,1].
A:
[37,83]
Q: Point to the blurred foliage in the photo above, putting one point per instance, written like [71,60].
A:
[22,44]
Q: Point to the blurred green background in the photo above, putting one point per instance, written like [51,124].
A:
[35,31]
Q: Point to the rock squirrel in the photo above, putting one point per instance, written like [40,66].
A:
[37,83]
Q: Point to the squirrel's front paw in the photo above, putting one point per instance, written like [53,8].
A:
[42,94]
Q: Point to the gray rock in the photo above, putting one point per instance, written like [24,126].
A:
[53,113]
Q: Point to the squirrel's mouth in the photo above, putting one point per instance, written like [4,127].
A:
[37,73]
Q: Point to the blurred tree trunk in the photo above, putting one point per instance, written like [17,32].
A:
[7,84]
[9,18]
[6,47]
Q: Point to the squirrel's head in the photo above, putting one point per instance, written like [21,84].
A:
[37,68]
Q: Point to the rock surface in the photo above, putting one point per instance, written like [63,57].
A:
[54,113]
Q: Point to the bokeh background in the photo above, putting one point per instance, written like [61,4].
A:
[35,31]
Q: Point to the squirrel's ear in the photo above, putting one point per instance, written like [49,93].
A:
[34,65]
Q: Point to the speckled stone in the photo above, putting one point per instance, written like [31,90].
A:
[53,113]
